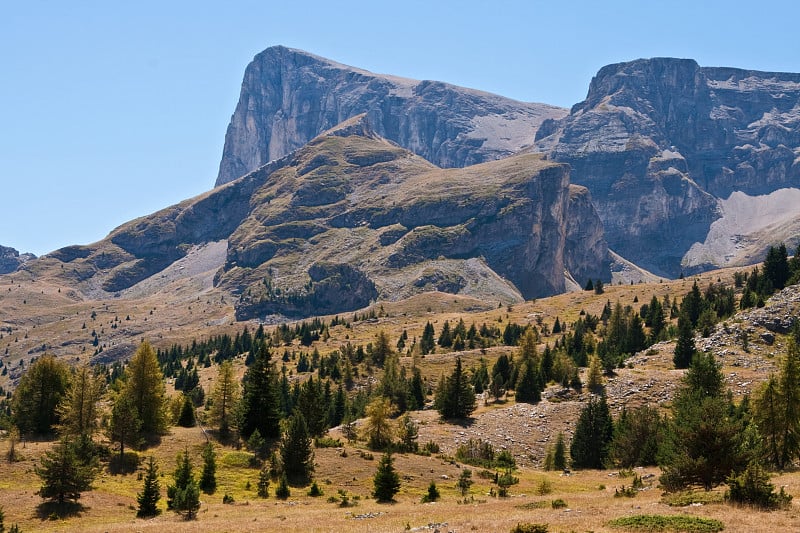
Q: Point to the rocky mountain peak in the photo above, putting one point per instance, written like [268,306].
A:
[288,97]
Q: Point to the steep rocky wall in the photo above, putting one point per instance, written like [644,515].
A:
[658,141]
[289,97]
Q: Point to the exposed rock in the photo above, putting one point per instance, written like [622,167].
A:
[370,219]
[11,259]
[289,97]
[659,141]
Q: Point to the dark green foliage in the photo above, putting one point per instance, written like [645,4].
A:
[416,390]
[183,496]
[598,287]
[151,491]
[589,285]
[684,523]
[705,440]
[297,452]
[260,401]
[315,491]
[386,481]
[208,479]
[456,399]
[64,476]
[427,342]
[637,437]
[314,404]
[776,266]
[282,491]
[408,433]
[528,527]
[559,453]
[446,336]
[593,434]
[432,495]
[464,481]
[530,385]
[186,418]
[752,487]
[501,372]
[36,398]
[684,346]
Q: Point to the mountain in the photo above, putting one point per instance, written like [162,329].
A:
[671,151]
[288,97]
[11,259]
[350,218]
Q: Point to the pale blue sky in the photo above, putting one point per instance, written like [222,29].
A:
[113,110]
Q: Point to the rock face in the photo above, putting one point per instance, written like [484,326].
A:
[289,97]
[351,218]
[11,259]
[659,141]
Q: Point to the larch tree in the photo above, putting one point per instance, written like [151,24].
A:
[224,400]
[41,389]
[144,385]
[378,430]
[78,411]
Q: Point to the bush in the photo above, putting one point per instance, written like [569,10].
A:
[558,504]
[431,447]
[432,495]
[544,487]
[327,442]
[283,492]
[529,528]
[227,499]
[649,523]
[314,491]
[752,487]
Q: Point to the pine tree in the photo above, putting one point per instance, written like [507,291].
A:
[297,452]
[382,349]
[593,433]
[684,346]
[208,479]
[776,266]
[151,491]
[34,405]
[559,453]
[63,474]
[386,481]
[224,400]
[446,336]
[282,492]
[260,401]
[456,399]
[529,388]
[263,483]
[144,385]
[417,390]
[637,436]
[184,496]
[427,342]
[186,418]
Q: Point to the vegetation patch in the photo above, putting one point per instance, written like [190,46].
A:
[677,523]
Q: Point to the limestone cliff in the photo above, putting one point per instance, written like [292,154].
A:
[659,142]
[289,97]
[11,259]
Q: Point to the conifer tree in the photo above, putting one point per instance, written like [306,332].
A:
[297,452]
[684,346]
[78,410]
[377,429]
[208,479]
[529,388]
[63,474]
[446,336]
[224,400]
[124,424]
[560,453]
[456,398]
[187,418]
[144,385]
[593,433]
[594,380]
[184,496]
[151,491]
[427,342]
[260,400]
[34,405]
[386,481]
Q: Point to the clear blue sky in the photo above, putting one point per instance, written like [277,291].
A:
[113,110]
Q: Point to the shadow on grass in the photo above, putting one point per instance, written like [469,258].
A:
[123,465]
[51,510]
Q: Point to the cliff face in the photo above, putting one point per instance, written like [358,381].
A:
[658,142]
[288,97]
[11,259]
[350,218]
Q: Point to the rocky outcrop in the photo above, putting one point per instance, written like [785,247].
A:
[11,259]
[352,217]
[288,97]
[659,141]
